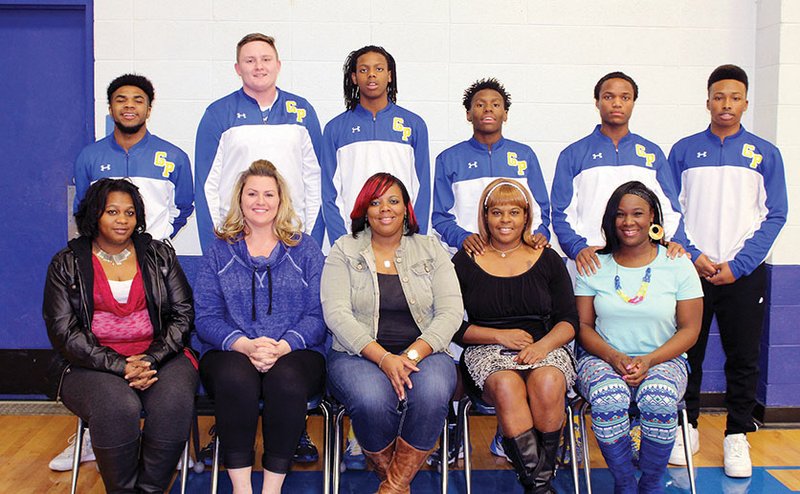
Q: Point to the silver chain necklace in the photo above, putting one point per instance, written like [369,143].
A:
[504,253]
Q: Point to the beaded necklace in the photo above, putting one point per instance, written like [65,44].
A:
[640,294]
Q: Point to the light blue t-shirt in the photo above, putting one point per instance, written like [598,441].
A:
[638,329]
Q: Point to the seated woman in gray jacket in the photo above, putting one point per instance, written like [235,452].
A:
[391,299]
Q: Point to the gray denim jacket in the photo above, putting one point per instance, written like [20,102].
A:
[350,296]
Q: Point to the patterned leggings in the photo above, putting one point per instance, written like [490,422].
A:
[610,396]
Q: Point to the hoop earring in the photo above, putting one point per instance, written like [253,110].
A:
[656,232]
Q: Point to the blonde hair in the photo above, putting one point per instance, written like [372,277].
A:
[287,225]
[504,192]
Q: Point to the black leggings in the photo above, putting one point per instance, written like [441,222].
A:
[237,387]
[113,409]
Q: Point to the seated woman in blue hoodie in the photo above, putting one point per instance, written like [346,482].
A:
[260,320]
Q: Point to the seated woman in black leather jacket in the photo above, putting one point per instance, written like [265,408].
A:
[118,311]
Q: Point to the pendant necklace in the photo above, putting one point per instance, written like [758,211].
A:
[504,253]
[387,264]
[115,259]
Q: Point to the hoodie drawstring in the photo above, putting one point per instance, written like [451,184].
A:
[253,293]
[269,281]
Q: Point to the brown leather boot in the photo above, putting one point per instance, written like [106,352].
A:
[380,461]
[405,464]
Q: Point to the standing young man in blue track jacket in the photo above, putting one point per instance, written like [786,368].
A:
[372,135]
[258,121]
[464,170]
[733,197]
[589,170]
[161,170]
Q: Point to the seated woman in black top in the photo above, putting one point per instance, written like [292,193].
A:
[521,312]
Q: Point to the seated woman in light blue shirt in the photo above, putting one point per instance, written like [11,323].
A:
[639,314]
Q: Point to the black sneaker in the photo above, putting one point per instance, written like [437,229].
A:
[306,452]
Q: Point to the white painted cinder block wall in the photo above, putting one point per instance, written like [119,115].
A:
[548,53]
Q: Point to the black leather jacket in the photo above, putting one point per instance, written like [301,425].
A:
[69,306]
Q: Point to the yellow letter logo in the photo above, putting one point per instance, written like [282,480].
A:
[649,158]
[398,126]
[749,151]
[291,107]
[519,164]
[161,160]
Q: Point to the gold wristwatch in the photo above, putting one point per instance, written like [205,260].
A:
[413,356]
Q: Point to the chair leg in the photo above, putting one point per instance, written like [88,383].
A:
[464,407]
[215,466]
[76,459]
[336,457]
[185,467]
[587,469]
[326,448]
[687,450]
[443,454]
[572,450]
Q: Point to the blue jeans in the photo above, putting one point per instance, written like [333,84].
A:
[378,417]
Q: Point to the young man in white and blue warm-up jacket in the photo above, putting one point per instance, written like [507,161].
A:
[160,169]
[734,202]
[589,170]
[372,135]
[463,171]
[258,121]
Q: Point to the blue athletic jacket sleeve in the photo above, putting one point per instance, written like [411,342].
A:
[331,213]
[539,191]
[184,193]
[82,179]
[756,248]
[315,132]
[442,219]
[676,167]
[206,143]
[422,162]
[560,197]
[667,181]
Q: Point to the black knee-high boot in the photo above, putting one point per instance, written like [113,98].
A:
[159,459]
[549,445]
[118,467]
[524,452]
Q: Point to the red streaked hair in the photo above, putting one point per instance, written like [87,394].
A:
[374,187]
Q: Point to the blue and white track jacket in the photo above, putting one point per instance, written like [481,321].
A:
[233,134]
[358,145]
[733,197]
[463,172]
[587,173]
[161,171]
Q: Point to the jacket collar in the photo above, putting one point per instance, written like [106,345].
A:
[716,139]
[483,147]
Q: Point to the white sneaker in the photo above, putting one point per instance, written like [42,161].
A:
[678,456]
[737,456]
[63,462]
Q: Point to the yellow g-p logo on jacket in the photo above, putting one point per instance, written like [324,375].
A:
[300,113]
[649,158]
[520,165]
[399,126]
[160,160]
[749,151]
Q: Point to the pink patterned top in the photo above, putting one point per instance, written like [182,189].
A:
[125,328]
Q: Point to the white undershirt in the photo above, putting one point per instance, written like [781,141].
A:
[120,290]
